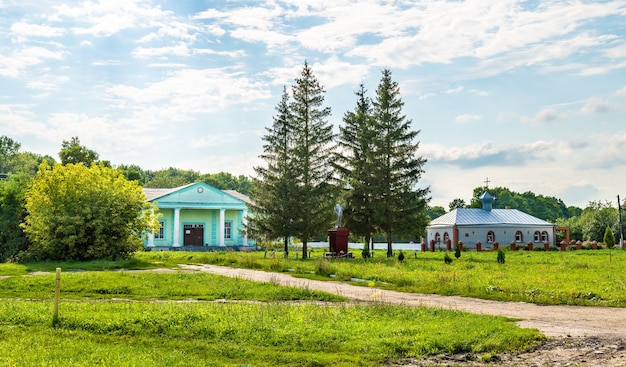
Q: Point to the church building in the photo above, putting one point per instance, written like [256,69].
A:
[487,225]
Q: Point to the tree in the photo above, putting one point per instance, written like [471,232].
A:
[609,238]
[435,211]
[74,153]
[171,177]
[274,203]
[596,217]
[12,213]
[355,166]
[84,213]
[312,157]
[226,181]
[401,205]
[8,150]
[457,204]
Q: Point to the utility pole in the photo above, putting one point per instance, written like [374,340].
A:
[621,230]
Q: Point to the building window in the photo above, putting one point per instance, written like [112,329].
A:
[519,237]
[544,236]
[228,230]
[491,237]
[160,234]
[437,237]
[446,237]
[537,236]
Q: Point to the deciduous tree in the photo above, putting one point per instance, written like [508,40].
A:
[84,213]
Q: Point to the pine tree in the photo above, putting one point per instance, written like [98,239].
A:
[273,200]
[354,164]
[401,205]
[312,157]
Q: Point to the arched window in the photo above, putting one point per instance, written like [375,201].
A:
[437,237]
[544,236]
[446,237]
[537,236]
[491,237]
[519,237]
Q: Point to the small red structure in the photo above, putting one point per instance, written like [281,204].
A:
[338,241]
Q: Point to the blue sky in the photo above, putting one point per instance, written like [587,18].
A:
[531,94]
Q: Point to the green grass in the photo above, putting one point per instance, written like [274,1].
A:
[145,286]
[215,334]
[590,278]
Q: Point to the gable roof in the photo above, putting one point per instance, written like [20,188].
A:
[197,194]
[481,217]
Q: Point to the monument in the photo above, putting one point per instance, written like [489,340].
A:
[338,236]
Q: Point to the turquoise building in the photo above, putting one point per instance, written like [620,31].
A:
[198,216]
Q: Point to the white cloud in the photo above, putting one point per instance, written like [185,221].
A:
[596,105]
[22,29]
[187,92]
[468,118]
[13,64]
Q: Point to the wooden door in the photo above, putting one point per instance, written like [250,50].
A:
[194,235]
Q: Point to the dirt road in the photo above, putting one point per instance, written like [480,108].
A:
[583,336]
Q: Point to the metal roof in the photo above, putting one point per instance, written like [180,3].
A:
[476,217]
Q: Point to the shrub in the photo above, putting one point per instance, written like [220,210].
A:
[501,256]
[447,259]
[365,253]
[401,256]
[538,248]
[323,268]
[457,251]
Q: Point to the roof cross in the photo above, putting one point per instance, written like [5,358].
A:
[487,182]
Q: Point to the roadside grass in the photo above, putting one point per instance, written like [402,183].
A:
[149,285]
[137,333]
[588,278]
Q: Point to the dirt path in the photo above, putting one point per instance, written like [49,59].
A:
[583,336]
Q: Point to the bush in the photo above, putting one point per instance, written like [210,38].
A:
[447,259]
[538,248]
[365,253]
[457,251]
[501,256]
[401,256]
[323,268]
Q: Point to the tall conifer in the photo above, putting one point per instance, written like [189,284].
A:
[355,167]
[273,200]
[401,205]
[312,158]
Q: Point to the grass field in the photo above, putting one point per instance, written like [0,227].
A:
[125,318]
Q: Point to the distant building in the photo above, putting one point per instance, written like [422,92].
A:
[487,225]
[198,216]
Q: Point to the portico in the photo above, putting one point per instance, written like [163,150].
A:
[198,215]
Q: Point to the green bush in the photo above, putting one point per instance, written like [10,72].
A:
[401,256]
[365,253]
[447,259]
[323,268]
[457,251]
[501,256]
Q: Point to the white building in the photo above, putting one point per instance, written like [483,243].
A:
[487,225]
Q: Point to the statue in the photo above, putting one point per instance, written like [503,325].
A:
[339,212]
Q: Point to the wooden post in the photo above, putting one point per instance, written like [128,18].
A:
[57,296]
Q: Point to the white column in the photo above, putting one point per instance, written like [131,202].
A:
[243,223]
[176,227]
[150,239]
[222,215]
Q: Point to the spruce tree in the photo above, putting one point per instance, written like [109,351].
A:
[312,157]
[273,200]
[354,164]
[401,205]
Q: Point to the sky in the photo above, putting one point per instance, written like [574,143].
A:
[529,94]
